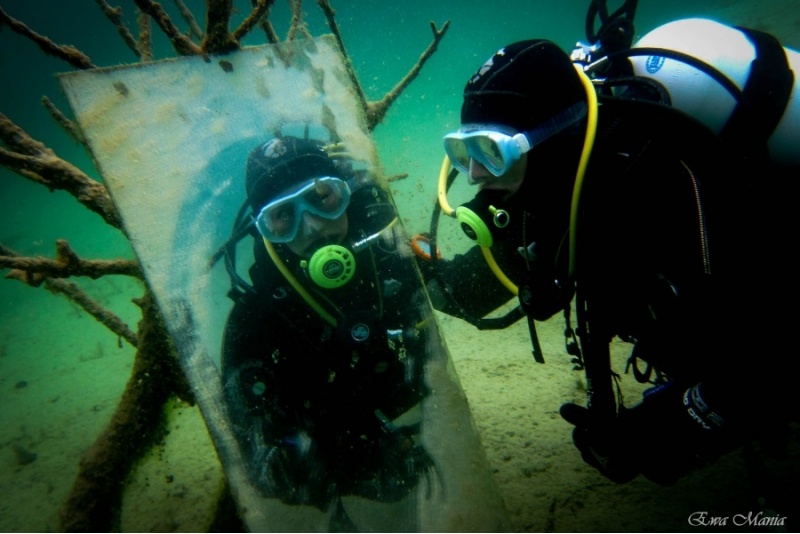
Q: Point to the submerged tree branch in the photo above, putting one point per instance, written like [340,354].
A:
[376,111]
[330,16]
[33,160]
[269,31]
[218,39]
[70,127]
[67,263]
[261,9]
[115,16]
[95,500]
[188,16]
[297,24]
[68,53]
[182,44]
[145,36]
[73,293]
[93,308]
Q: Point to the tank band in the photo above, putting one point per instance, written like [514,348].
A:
[765,96]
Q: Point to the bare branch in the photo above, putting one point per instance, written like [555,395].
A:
[297,17]
[68,53]
[186,13]
[70,127]
[35,161]
[330,16]
[76,295]
[218,37]
[297,24]
[266,25]
[145,36]
[95,499]
[67,263]
[376,111]
[259,13]
[115,16]
[182,44]
[93,308]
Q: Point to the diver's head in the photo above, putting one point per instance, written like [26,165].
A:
[298,195]
[524,94]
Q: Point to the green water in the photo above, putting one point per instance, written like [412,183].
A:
[61,373]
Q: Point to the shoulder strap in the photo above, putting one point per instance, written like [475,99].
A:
[765,96]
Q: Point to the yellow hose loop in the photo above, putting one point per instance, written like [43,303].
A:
[442,191]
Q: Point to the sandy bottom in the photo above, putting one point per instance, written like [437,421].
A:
[59,385]
[545,484]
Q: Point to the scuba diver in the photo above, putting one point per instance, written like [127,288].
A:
[322,357]
[594,190]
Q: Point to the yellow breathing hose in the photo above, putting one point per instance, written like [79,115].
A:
[588,144]
[442,191]
[487,254]
[449,211]
[296,285]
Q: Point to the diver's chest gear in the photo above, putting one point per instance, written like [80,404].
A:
[361,320]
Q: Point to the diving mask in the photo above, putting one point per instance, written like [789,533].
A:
[498,148]
[326,197]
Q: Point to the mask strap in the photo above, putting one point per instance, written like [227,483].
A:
[555,125]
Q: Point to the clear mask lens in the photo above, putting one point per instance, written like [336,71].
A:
[498,148]
[494,150]
[326,197]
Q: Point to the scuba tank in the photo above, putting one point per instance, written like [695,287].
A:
[738,82]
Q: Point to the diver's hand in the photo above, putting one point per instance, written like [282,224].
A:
[670,433]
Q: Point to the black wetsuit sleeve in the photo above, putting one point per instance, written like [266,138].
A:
[465,285]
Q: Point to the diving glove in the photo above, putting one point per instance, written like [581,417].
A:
[670,433]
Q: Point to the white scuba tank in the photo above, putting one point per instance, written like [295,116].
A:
[730,51]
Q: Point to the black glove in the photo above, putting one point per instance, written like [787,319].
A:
[670,433]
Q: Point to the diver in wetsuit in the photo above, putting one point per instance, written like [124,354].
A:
[323,354]
[667,236]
